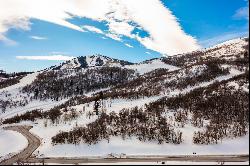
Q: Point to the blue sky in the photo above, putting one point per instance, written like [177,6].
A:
[203,22]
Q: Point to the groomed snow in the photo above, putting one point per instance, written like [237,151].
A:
[23,82]
[143,68]
[11,142]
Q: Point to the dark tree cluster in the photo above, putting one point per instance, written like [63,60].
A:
[53,114]
[31,116]
[134,122]
[9,81]
[185,60]
[152,84]
[58,84]
[155,83]
[4,104]
[226,109]
[3,74]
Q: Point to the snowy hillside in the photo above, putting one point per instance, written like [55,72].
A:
[97,105]
[151,65]
[228,49]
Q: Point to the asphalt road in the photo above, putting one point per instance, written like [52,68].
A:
[34,143]
[236,158]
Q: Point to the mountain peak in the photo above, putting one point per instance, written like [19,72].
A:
[91,61]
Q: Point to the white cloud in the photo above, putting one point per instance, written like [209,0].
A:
[113,35]
[148,53]
[93,29]
[122,16]
[121,28]
[38,38]
[48,58]
[242,13]
[128,45]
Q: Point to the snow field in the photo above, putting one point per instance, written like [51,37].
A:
[11,142]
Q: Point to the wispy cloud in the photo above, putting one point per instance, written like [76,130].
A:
[38,38]
[122,16]
[242,13]
[47,58]
[128,45]
[148,53]
[93,29]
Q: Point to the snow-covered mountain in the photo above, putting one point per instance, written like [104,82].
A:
[229,50]
[193,99]
[84,62]
[97,61]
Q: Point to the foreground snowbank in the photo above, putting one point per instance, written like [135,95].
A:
[11,142]
[135,147]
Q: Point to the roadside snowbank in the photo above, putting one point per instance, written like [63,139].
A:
[135,147]
[11,142]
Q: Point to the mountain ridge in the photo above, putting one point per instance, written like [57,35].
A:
[104,61]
